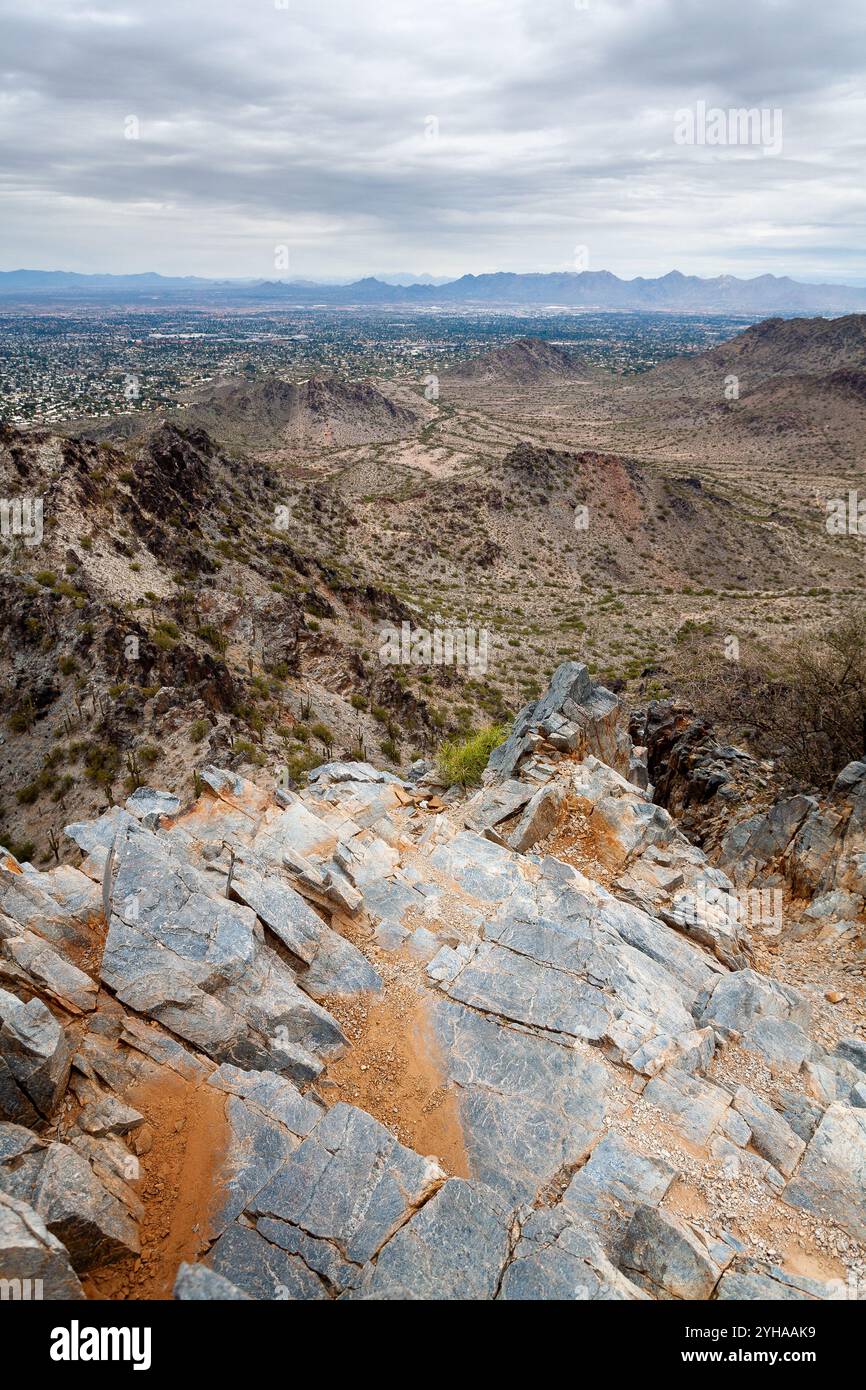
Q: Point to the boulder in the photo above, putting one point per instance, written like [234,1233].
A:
[35,1050]
[831,1181]
[666,1256]
[33,1262]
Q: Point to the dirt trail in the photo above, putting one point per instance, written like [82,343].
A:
[393,1070]
[179,1182]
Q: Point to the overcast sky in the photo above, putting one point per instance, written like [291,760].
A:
[310,124]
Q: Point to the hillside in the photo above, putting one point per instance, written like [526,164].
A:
[168,617]
[524,362]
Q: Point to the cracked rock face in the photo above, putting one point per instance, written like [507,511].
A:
[627,1089]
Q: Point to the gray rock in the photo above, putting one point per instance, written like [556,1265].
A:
[501,981]
[15,1104]
[196,964]
[390,935]
[837,904]
[780,1043]
[853,1050]
[528,1107]
[831,1181]
[772,1136]
[149,806]
[740,999]
[494,804]
[273,1095]
[801,1113]
[556,1259]
[287,914]
[257,1149]
[33,1263]
[734,1127]
[323,1257]
[695,1107]
[51,972]
[350,1182]
[481,868]
[665,1256]
[540,818]
[750,1280]
[36,1051]
[339,968]
[197,1283]
[247,1261]
[108,1115]
[421,770]
[77,1208]
[447,962]
[455,1247]
[575,715]
[754,845]
[336,772]
[605,1192]
[422,944]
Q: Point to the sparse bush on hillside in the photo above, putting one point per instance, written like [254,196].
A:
[805,707]
[462,760]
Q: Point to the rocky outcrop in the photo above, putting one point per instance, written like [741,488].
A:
[574,716]
[597,1033]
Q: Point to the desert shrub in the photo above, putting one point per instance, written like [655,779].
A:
[101,763]
[22,850]
[803,706]
[28,794]
[300,764]
[462,760]
[198,730]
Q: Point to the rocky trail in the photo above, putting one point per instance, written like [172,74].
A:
[379,1040]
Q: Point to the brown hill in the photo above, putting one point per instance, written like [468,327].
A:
[322,411]
[519,363]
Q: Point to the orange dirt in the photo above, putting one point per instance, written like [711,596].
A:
[178,1183]
[393,1070]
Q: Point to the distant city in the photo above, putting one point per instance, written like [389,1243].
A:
[92,361]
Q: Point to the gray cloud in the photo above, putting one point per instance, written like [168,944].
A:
[305,126]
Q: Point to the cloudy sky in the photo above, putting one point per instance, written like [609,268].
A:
[197,136]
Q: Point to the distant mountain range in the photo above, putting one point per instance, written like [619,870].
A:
[588,290]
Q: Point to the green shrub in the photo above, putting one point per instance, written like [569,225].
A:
[22,850]
[462,760]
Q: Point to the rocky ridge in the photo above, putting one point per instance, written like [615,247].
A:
[190,1097]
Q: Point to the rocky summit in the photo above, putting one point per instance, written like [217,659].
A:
[376,1039]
